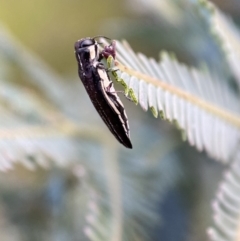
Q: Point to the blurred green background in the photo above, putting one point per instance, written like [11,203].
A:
[50,28]
[43,205]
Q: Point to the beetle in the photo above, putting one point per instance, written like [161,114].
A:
[99,87]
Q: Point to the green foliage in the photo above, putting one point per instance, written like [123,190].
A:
[110,193]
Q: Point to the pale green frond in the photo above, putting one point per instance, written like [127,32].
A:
[226,33]
[134,190]
[34,128]
[226,206]
[198,102]
[34,132]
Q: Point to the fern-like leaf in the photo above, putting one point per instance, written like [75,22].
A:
[199,103]
[35,132]
[227,205]
[226,34]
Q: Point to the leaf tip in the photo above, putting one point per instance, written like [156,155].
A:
[183,135]
[110,62]
[161,114]
[154,111]
[133,96]
[208,5]
[176,123]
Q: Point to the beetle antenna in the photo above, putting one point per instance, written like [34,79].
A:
[101,36]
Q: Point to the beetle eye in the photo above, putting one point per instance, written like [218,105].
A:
[86,43]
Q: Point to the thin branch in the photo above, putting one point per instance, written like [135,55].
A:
[59,128]
[114,186]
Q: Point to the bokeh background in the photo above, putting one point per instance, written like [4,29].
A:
[178,182]
[51,28]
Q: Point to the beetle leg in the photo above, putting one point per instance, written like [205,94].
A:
[109,92]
